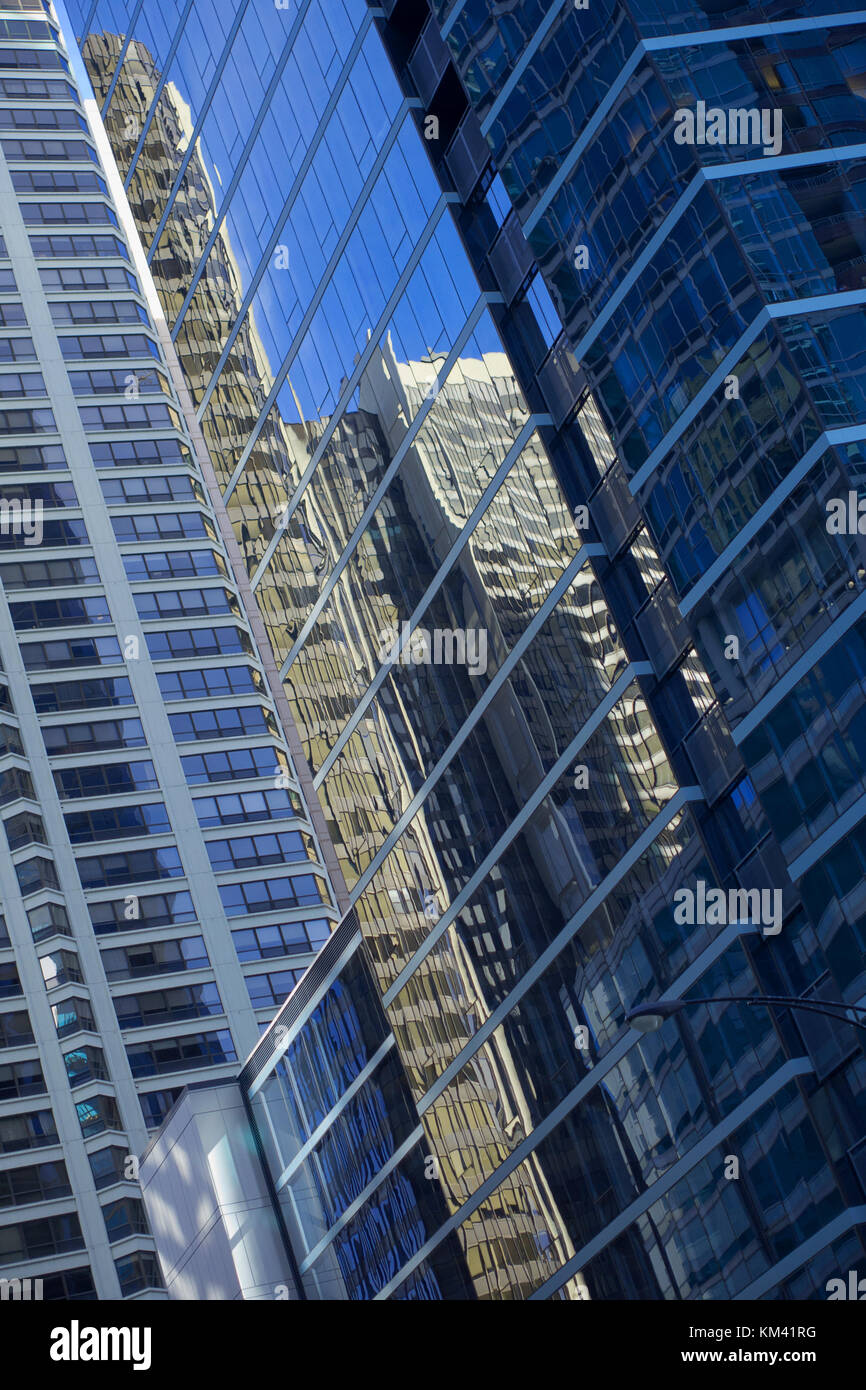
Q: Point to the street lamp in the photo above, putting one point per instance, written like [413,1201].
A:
[646,1018]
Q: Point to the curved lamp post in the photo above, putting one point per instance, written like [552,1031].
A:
[646,1018]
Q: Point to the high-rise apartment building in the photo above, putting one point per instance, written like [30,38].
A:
[522,342]
[162,882]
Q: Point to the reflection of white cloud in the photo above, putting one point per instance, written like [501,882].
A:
[164,1220]
[184,1166]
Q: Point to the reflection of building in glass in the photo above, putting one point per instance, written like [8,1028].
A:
[714,302]
[408,386]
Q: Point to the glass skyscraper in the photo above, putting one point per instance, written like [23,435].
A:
[520,355]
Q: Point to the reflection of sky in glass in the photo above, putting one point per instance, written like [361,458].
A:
[317,314]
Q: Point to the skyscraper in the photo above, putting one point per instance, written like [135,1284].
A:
[522,343]
[149,799]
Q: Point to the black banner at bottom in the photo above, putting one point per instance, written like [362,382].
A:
[159,1338]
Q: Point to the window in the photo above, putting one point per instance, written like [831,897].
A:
[284,939]
[129,417]
[65,214]
[163,526]
[10,740]
[61,968]
[199,642]
[212,682]
[108,1166]
[272,894]
[75,651]
[160,1055]
[79,347]
[30,58]
[21,384]
[59,612]
[15,785]
[25,28]
[75,311]
[17,350]
[27,458]
[117,381]
[170,604]
[155,958]
[544,309]
[250,720]
[139,866]
[80,279]
[73,1016]
[85,1064]
[79,244]
[133,913]
[68,1285]
[160,488]
[106,779]
[35,874]
[269,991]
[71,695]
[19,118]
[50,494]
[54,534]
[155,1105]
[15,1029]
[174,564]
[25,829]
[56,180]
[27,422]
[116,823]
[140,453]
[21,1079]
[239,808]
[38,1182]
[167,1005]
[98,1114]
[12,316]
[34,1240]
[61,739]
[58,152]
[236,764]
[254,851]
[136,1272]
[33,1131]
[44,574]
[123,1218]
[49,919]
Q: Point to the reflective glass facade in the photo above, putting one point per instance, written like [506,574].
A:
[147,783]
[526,413]
[340,1136]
